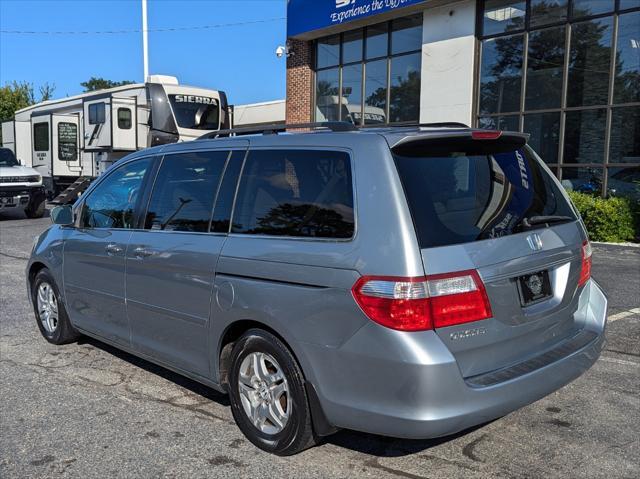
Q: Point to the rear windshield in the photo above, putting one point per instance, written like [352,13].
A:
[464,196]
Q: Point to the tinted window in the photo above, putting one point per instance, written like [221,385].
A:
[195,112]
[404,103]
[583,8]
[124,118]
[112,203]
[503,15]
[544,129]
[226,193]
[406,34]
[328,51]
[463,196]
[625,135]
[41,136]
[352,46]
[544,69]
[327,86]
[96,113]
[584,136]
[548,11]
[7,158]
[627,73]
[184,190]
[295,193]
[501,74]
[375,92]
[352,93]
[377,41]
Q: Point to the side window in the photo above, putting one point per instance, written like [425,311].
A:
[96,113]
[41,136]
[112,203]
[226,193]
[295,193]
[184,190]
[124,118]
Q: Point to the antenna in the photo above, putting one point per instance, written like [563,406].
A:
[145,41]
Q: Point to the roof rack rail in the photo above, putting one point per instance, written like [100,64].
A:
[445,124]
[279,127]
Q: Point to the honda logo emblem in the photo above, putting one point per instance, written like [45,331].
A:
[535,242]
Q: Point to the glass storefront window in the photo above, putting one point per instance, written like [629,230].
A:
[504,123]
[589,62]
[584,180]
[624,182]
[406,34]
[351,104]
[501,74]
[584,136]
[544,69]
[502,16]
[544,12]
[377,41]
[624,144]
[624,4]
[627,72]
[404,103]
[544,129]
[328,52]
[352,47]
[375,92]
[585,8]
[327,86]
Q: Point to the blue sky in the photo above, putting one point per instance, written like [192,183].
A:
[240,60]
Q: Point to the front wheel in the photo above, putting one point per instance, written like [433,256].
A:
[267,395]
[51,315]
[35,209]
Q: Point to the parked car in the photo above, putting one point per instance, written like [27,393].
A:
[411,282]
[20,186]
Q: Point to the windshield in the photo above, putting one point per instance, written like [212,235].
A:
[464,196]
[195,112]
[7,158]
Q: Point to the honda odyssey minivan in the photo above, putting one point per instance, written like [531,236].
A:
[407,281]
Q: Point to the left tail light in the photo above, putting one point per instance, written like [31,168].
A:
[427,302]
[585,270]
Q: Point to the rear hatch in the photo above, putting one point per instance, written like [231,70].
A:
[484,201]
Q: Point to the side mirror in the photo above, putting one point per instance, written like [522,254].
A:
[62,215]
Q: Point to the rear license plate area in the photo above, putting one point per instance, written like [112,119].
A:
[534,287]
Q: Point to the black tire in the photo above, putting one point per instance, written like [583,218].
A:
[36,210]
[63,332]
[297,434]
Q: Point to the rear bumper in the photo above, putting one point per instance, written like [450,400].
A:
[409,385]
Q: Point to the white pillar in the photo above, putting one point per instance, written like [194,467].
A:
[448,56]
[145,42]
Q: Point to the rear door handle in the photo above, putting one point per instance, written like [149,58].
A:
[113,249]
[143,252]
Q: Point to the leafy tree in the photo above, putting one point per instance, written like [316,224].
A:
[97,83]
[17,95]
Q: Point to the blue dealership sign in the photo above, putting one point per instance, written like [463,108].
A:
[308,15]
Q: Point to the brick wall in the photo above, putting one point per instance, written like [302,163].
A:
[299,82]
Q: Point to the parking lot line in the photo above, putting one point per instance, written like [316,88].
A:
[623,314]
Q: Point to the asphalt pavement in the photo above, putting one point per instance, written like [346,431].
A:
[88,410]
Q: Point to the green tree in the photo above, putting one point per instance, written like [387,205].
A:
[97,83]
[17,95]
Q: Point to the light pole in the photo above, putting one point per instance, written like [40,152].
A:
[145,41]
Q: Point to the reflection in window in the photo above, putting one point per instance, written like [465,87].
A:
[377,41]
[544,129]
[504,123]
[375,93]
[627,80]
[624,4]
[584,8]
[625,135]
[503,15]
[352,93]
[112,203]
[328,52]
[404,104]
[624,182]
[295,193]
[406,34]
[584,136]
[184,191]
[544,12]
[327,85]
[501,74]
[544,69]
[352,47]
[584,180]
[589,62]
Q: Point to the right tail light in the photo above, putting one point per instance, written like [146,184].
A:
[585,270]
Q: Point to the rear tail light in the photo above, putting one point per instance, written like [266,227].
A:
[585,270]
[415,304]
[486,134]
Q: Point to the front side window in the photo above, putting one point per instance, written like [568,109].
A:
[196,112]
[124,118]
[96,113]
[41,136]
[112,203]
[67,141]
[184,191]
[295,193]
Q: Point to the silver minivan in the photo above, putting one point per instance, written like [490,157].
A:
[407,281]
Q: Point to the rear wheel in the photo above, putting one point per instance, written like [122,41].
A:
[51,315]
[267,394]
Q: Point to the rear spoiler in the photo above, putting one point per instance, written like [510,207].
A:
[469,141]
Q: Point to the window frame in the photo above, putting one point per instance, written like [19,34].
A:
[520,114]
[332,149]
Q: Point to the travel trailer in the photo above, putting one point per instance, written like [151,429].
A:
[72,140]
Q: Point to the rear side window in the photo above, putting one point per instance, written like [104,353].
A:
[184,190]
[464,196]
[299,193]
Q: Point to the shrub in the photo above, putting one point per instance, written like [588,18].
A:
[607,219]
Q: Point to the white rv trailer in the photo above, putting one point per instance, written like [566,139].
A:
[80,136]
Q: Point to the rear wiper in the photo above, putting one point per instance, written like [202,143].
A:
[544,220]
